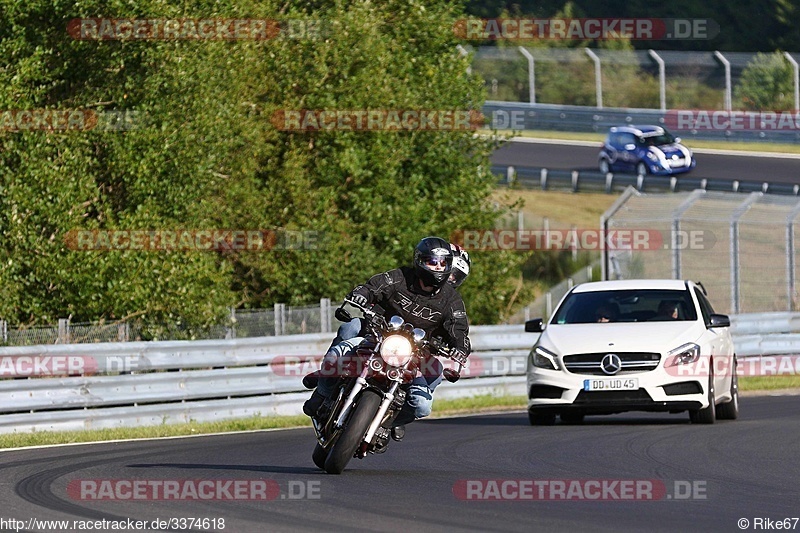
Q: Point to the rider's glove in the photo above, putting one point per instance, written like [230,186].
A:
[359,299]
[459,356]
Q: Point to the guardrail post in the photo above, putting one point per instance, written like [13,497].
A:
[548,305]
[543,179]
[325,315]
[510,174]
[575,181]
[63,330]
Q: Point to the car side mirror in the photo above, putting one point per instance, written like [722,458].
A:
[534,326]
[630,146]
[677,139]
[719,321]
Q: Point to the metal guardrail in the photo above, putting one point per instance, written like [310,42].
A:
[526,116]
[531,177]
[151,383]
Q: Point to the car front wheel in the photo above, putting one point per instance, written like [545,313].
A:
[707,414]
[730,410]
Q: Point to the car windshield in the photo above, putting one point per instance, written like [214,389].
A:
[632,305]
[656,139]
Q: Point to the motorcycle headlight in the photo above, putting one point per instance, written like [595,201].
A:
[542,358]
[396,350]
[683,355]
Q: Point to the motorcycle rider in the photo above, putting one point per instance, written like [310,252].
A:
[422,296]
[459,273]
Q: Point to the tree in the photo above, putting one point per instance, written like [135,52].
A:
[766,83]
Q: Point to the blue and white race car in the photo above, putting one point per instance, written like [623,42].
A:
[644,150]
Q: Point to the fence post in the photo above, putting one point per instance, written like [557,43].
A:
[230,332]
[4,331]
[123,332]
[531,75]
[662,83]
[598,77]
[727,65]
[790,249]
[280,316]
[325,315]
[63,330]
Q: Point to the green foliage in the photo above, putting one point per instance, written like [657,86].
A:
[766,84]
[205,155]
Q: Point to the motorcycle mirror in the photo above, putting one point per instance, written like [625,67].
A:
[419,334]
[342,315]
[451,375]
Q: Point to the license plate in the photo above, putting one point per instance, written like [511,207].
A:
[611,384]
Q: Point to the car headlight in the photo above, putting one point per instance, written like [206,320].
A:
[683,355]
[542,358]
[396,350]
[652,157]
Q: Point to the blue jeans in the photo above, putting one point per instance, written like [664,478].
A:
[419,397]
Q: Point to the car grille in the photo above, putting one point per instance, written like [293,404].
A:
[589,363]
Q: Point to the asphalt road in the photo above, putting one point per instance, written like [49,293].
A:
[741,469]
[553,155]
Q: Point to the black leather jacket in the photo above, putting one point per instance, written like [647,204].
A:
[441,313]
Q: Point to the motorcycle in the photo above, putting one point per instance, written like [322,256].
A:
[370,390]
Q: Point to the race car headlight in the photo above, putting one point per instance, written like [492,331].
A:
[683,355]
[542,358]
[396,350]
[652,157]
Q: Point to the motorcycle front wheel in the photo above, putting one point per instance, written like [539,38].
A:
[353,433]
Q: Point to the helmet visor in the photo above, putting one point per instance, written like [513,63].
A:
[436,263]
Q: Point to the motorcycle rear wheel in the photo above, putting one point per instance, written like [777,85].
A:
[353,433]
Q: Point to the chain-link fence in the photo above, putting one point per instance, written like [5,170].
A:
[280,320]
[742,248]
[651,79]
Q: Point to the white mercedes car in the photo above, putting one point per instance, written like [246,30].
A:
[632,345]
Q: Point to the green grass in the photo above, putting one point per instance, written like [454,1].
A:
[40,438]
[761,383]
[691,143]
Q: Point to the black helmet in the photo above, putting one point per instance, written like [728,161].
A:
[433,261]
[461,265]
